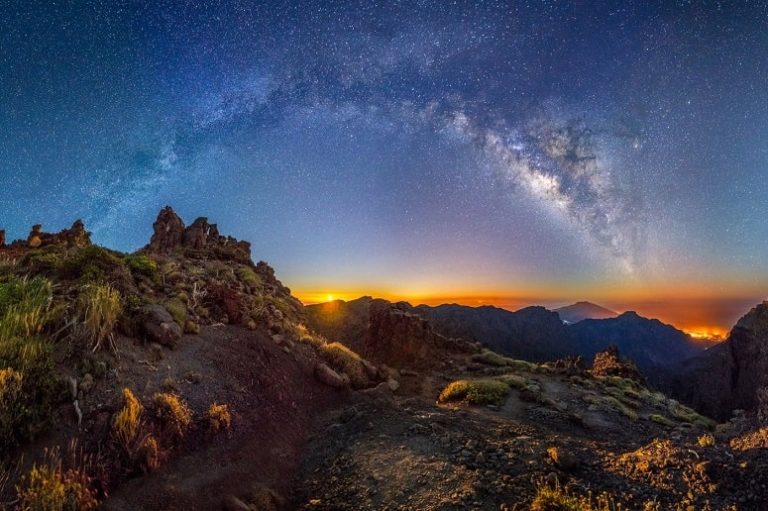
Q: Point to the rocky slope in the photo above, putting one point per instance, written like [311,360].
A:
[728,376]
[648,342]
[204,386]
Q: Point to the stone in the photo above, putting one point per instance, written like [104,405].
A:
[393,384]
[563,459]
[34,240]
[232,503]
[2,238]
[159,326]
[328,376]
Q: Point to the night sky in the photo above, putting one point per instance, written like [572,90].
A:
[489,152]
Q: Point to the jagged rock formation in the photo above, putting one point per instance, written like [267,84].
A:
[171,234]
[383,332]
[74,237]
[728,376]
[609,363]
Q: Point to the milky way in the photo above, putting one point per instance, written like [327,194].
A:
[422,147]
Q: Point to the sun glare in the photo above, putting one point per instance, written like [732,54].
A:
[329,298]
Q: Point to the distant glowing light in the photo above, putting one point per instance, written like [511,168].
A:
[329,298]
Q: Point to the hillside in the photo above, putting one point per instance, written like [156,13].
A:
[186,377]
[584,310]
[648,342]
[732,375]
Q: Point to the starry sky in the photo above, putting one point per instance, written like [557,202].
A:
[481,152]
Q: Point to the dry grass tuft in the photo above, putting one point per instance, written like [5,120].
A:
[477,392]
[173,413]
[219,418]
[50,487]
[344,360]
[126,424]
[98,309]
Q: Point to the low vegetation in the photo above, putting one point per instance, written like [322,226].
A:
[127,422]
[50,487]
[98,311]
[556,498]
[219,418]
[477,392]
[173,413]
[346,361]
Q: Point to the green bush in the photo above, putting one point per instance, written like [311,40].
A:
[91,264]
[249,276]
[142,264]
[478,392]
[178,310]
[346,361]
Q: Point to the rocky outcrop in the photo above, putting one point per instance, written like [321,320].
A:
[609,363]
[170,234]
[728,376]
[74,237]
[384,332]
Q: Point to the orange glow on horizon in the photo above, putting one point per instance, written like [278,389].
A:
[703,316]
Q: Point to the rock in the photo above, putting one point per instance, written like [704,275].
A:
[251,325]
[34,240]
[156,352]
[328,376]
[159,326]
[370,369]
[232,503]
[608,363]
[169,232]
[380,391]
[262,498]
[393,384]
[2,238]
[563,459]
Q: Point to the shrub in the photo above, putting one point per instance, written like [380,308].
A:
[513,380]
[178,310]
[25,307]
[491,358]
[49,487]
[91,264]
[685,414]
[99,307]
[249,277]
[148,454]
[142,264]
[555,498]
[344,360]
[173,413]
[477,392]
[660,419]
[706,440]
[219,417]
[30,390]
[127,421]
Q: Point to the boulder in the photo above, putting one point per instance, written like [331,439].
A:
[159,326]
[563,459]
[2,238]
[328,376]
[34,240]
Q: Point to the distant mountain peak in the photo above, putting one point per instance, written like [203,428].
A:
[584,310]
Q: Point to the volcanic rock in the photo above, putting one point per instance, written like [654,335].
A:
[159,326]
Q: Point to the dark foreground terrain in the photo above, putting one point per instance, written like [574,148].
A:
[184,377]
